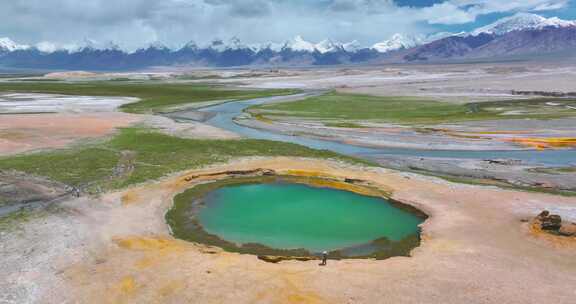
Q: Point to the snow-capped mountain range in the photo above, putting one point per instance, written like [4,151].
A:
[521,21]
[398,41]
[483,41]
[521,34]
[402,41]
[518,22]
[296,44]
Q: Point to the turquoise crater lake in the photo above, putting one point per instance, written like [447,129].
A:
[289,216]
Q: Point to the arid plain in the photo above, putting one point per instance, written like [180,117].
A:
[498,152]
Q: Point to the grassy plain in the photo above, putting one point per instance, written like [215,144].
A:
[414,110]
[155,96]
[153,155]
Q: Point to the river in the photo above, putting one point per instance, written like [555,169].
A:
[226,112]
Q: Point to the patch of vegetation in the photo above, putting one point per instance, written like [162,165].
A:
[18,75]
[154,155]
[557,170]
[36,80]
[491,182]
[155,96]
[14,219]
[415,110]
[73,167]
[349,125]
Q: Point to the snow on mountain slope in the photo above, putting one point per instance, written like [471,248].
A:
[521,21]
[520,34]
[217,45]
[8,45]
[299,44]
[324,46]
[351,46]
[399,42]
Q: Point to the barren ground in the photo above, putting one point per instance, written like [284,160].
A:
[117,249]
[28,132]
[456,83]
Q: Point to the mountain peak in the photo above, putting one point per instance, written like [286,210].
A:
[398,42]
[235,43]
[299,44]
[112,46]
[190,45]
[157,45]
[8,45]
[88,45]
[351,46]
[521,21]
[326,46]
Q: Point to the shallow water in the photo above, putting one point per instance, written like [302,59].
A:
[225,114]
[292,216]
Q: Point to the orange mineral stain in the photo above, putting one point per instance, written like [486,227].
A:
[545,143]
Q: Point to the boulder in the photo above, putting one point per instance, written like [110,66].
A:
[543,214]
[353,181]
[551,222]
[268,172]
[568,230]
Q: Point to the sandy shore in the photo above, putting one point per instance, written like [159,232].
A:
[117,249]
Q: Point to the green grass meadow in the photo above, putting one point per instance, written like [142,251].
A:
[337,108]
[155,155]
[155,96]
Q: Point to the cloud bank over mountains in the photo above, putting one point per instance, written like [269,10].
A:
[132,23]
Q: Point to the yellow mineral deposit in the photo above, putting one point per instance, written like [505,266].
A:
[545,143]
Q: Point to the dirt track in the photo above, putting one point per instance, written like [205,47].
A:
[117,249]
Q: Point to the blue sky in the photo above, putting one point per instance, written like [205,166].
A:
[135,23]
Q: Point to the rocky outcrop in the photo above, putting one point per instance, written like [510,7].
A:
[552,223]
[277,259]
[568,230]
[233,173]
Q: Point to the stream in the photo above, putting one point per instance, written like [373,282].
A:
[226,112]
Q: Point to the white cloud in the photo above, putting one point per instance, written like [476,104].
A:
[480,7]
[445,13]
